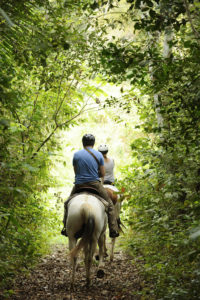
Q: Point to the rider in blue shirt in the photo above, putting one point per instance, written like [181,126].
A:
[88,168]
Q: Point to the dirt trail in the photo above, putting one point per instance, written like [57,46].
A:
[50,280]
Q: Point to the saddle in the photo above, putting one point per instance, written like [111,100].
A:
[90,191]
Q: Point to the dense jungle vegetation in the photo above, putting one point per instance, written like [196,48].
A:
[56,57]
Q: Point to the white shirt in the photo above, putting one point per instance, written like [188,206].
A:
[109,166]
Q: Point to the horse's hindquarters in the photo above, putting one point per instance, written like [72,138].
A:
[80,208]
[86,216]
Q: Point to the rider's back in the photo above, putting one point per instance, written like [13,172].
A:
[86,166]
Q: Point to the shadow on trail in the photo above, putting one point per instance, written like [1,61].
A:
[51,280]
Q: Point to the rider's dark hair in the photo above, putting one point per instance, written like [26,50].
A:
[104,152]
[88,140]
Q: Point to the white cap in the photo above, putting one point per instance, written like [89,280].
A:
[103,148]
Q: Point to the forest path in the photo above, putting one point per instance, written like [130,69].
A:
[51,279]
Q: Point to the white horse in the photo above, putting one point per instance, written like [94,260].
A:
[86,218]
[117,199]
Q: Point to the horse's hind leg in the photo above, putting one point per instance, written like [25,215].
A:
[104,246]
[89,253]
[112,249]
[101,241]
[72,244]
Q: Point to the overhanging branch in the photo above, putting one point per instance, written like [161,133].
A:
[55,129]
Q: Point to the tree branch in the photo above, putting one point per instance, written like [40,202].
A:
[59,90]
[63,123]
[61,102]
[54,130]
[110,13]
[34,108]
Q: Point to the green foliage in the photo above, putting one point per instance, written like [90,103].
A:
[44,52]
[162,183]
[162,210]
[49,51]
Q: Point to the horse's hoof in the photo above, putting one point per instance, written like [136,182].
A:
[100,273]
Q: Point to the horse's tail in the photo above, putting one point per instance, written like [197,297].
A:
[87,236]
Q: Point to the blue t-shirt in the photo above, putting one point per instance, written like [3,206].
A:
[86,165]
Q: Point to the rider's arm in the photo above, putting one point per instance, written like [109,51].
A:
[74,169]
[102,171]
